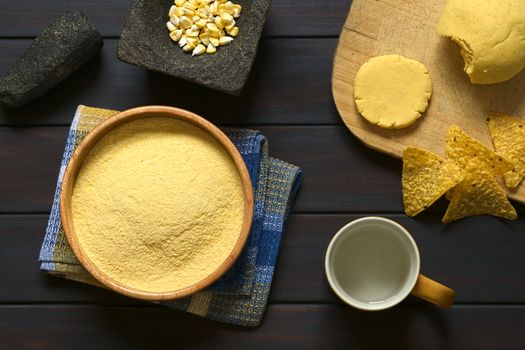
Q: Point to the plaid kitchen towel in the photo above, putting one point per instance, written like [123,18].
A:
[240,296]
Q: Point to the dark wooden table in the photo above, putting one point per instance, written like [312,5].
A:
[288,98]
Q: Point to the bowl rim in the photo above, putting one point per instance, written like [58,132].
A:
[77,159]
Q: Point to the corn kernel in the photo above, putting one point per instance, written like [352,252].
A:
[229,26]
[201,23]
[198,50]
[234,31]
[213,33]
[192,33]
[172,11]
[214,7]
[192,41]
[179,11]
[211,49]
[189,6]
[171,26]
[236,10]
[214,41]
[180,2]
[188,12]
[218,22]
[225,40]
[183,40]
[176,35]
[212,30]
[175,20]
[188,48]
[212,26]
[185,22]
[205,39]
[226,18]
[202,14]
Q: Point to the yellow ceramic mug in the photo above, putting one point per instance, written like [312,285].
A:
[373,264]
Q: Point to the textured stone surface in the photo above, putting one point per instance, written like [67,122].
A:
[64,46]
[145,42]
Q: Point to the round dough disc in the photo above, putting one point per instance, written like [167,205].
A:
[392,91]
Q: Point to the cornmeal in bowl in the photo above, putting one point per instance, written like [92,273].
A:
[158,204]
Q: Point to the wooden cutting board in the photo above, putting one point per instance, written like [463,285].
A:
[408,27]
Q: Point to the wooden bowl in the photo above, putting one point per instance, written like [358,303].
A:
[81,153]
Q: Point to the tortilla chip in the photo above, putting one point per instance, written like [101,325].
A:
[450,194]
[464,150]
[508,136]
[479,194]
[426,177]
[473,166]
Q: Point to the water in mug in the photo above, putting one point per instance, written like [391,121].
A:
[373,265]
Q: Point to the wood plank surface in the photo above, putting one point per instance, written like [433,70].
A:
[286,17]
[482,259]
[288,98]
[408,28]
[285,327]
[277,91]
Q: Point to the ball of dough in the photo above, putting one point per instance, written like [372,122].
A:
[491,34]
[392,91]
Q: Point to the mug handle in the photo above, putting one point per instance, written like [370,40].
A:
[434,292]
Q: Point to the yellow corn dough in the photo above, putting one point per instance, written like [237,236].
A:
[491,34]
[158,204]
[392,91]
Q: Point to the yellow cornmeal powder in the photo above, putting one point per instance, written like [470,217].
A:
[158,204]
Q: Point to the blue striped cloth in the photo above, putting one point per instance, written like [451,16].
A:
[240,296]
